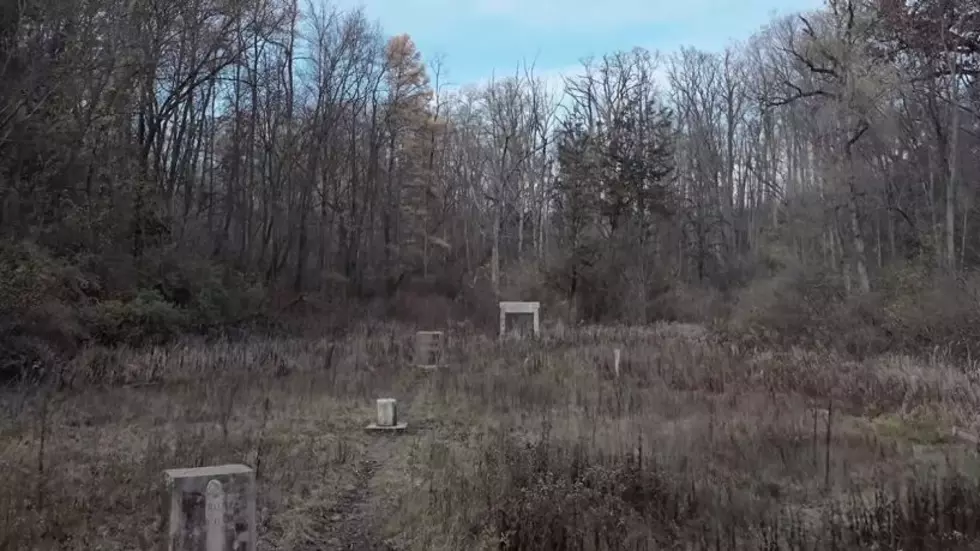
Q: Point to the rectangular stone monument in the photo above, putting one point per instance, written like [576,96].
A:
[211,508]
[519,308]
[616,362]
[387,417]
[429,349]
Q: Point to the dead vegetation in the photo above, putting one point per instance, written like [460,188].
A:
[182,180]
[699,443]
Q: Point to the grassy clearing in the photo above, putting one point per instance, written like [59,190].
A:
[699,444]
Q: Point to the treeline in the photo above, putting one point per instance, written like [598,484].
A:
[178,165]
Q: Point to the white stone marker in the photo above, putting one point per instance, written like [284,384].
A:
[387,412]
[214,516]
[211,508]
[520,308]
[387,416]
[428,349]
[616,362]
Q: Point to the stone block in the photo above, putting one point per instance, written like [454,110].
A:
[387,417]
[515,308]
[429,346]
[211,508]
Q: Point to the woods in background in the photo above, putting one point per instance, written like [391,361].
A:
[177,165]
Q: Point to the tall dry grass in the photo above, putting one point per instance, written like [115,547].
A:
[699,443]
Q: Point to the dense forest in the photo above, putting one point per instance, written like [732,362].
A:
[175,166]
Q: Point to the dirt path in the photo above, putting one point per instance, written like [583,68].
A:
[354,522]
[352,519]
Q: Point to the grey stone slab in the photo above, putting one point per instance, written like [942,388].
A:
[211,508]
[520,308]
[429,349]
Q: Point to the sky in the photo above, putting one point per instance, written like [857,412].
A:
[478,39]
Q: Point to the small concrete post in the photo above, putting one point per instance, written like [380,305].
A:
[616,362]
[387,412]
[387,417]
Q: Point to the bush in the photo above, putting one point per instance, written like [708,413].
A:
[215,302]
[39,326]
[790,308]
[51,307]
[561,498]
[552,495]
[926,313]
[28,276]
[688,304]
[911,310]
[145,319]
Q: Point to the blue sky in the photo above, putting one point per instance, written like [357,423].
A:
[480,38]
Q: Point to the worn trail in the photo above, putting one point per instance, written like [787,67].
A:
[354,522]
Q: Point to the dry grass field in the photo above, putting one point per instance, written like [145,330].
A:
[699,444]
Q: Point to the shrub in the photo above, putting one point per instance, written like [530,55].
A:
[561,498]
[28,276]
[790,308]
[217,303]
[688,304]
[926,313]
[38,325]
[550,495]
[145,319]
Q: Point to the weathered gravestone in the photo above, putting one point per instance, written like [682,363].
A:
[214,516]
[520,308]
[387,417]
[211,509]
[429,349]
